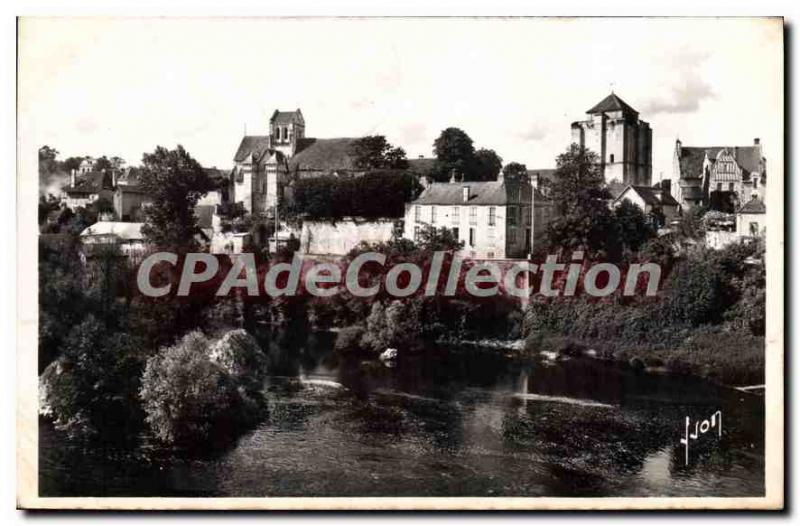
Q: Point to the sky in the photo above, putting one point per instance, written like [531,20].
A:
[123,86]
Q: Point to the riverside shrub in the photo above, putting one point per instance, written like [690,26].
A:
[189,394]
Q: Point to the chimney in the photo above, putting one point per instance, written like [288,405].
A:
[465,193]
[756,141]
[666,186]
[113,178]
[72,178]
[453,175]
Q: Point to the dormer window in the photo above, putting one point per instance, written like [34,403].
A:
[465,193]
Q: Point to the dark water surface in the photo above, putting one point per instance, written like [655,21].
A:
[450,423]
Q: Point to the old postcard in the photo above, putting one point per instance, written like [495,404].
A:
[400,263]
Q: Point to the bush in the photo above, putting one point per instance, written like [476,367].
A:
[348,340]
[92,388]
[239,354]
[188,396]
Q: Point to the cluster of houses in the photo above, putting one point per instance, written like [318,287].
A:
[499,219]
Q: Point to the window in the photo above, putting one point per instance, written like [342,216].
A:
[416,234]
[455,232]
[473,215]
[512,215]
[492,215]
[490,255]
[285,133]
[730,187]
[417,213]
[456,217]
[754,229]
[719,187]
[611,158]
[433,214]
[472,237]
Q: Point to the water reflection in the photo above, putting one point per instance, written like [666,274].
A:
[448,422]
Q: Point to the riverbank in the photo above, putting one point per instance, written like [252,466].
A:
[729,358]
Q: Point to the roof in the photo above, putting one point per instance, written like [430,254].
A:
[691,162]
[753,206]
[90,182]
[647,194]
[323,155]
[615,188]
[286,117]
[131,189]
[612,103]
[251,145]
[667,199]
[481,193]
[125,231]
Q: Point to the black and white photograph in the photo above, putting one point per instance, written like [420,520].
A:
[400,263]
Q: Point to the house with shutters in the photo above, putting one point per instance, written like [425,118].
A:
[493,219]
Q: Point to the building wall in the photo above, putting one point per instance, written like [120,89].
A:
[624,147]
[126,204]
[489,241]
[340,237]
[744,222]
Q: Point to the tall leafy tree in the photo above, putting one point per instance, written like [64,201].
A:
[584,220]
[515,171]
[486,165]
[375,152]
[454,151]
[176,182]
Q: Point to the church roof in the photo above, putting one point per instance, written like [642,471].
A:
[480,193]
[251,145]
[286,117]
[326,155]
[612,103]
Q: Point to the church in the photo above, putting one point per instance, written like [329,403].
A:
[265,165]
[623,141]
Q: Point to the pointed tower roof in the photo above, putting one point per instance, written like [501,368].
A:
[612,103]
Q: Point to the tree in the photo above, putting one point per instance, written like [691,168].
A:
[486,165]
[454,151]
[102,164]
[188,395]
[635,228]
[515,171]
[176,182]
[375,152]
[71,163]
[47,159]
[583,220]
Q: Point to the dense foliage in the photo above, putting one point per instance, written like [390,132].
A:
[176,182]
[193,391]
[374,152]
[377,194]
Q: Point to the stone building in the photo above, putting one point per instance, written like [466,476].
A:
[494,219]
[87,188]
[265,165]
[702,171]
[614,131]
[656,198]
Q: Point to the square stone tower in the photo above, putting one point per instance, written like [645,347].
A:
[286,128]
[624,142]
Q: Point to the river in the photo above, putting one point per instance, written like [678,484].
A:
[452,422]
